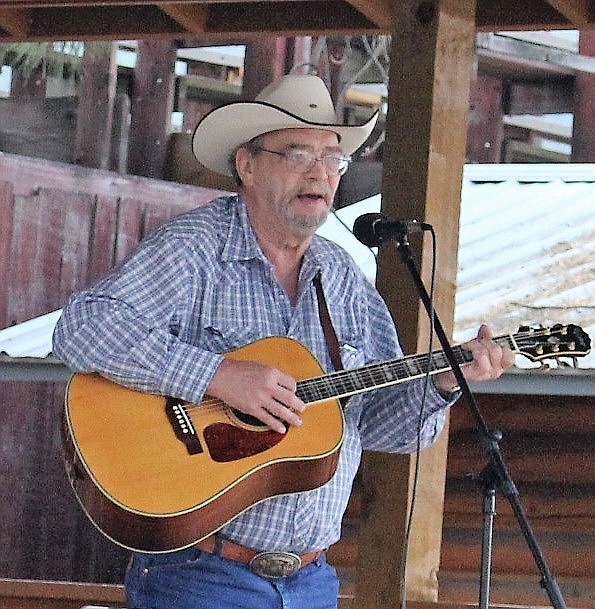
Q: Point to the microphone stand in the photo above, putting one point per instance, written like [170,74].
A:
[495,474]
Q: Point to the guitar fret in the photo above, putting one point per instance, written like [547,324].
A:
[349,382]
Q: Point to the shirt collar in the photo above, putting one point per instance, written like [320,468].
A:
[241,243]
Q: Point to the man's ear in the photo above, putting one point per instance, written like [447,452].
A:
[244,167]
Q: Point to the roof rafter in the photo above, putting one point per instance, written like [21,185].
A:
[192,17]
[14,21]
[578,12]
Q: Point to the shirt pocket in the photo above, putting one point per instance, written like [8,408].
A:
[235,313]
[221,338]
[352,352]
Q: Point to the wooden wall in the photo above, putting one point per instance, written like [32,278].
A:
[549,446]
[61,227]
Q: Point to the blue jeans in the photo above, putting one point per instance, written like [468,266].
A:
[191,579]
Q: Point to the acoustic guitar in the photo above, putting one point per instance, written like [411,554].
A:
[157,474]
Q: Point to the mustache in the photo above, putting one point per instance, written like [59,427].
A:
[322,191]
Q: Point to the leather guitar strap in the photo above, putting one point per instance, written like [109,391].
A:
[327,325]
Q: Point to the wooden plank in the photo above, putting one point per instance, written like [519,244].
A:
[27,594]
[578,12]
[192,17]
[156,215]
[15,21]
[551,506]
[510,14]
[561,458]
[95,110]
[48,122]
[102,246]
[583,143]
[128,234]
[485,132]
[256,19]
[546,414]
[76,212]
[570,554]
[27,224]
[28,174]
[509,588]
[424,153]
[6,223]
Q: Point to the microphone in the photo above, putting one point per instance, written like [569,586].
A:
[375,229]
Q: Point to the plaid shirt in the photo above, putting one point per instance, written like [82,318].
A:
[199,286]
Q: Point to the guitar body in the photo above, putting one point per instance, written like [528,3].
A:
[148,489]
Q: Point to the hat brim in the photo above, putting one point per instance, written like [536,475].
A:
[223,129]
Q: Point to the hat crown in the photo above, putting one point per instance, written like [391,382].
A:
[304,96]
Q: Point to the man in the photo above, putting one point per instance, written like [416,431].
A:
[226,274]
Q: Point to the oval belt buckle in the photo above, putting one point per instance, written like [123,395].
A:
[274,565]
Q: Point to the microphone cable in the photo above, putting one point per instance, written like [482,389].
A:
[416,455]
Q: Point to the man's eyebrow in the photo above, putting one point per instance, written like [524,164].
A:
[328,150]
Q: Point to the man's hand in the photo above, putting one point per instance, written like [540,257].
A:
[490,360]
[259,391]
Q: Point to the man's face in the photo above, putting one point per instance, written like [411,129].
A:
[294,201]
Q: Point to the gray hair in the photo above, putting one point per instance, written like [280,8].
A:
[252,146]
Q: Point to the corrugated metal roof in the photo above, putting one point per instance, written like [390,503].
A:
[526,249]
[32,338]
[526,255]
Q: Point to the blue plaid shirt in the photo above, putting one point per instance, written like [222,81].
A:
[199,286]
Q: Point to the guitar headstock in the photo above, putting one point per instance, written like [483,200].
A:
[539,343]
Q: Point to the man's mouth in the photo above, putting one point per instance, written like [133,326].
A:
[312,197]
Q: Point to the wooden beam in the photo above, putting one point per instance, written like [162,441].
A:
[192,17]
[378,11]
[287,19]
[514,15]
[578,12]
[15,21]
[430,71]
[102,23]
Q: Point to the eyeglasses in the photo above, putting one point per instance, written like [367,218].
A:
[302,161]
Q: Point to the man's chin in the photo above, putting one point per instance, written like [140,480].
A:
[308,224]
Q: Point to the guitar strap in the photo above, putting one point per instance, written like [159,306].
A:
[327,325]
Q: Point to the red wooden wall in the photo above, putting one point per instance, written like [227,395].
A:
[61,227]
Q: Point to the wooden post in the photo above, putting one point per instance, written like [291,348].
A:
[430,70]
[95,113]
[264,61]
[152,104]
[583,138]
[485,132]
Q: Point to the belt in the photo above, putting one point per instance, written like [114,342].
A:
[272,565]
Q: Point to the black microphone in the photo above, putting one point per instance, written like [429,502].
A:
[374,229]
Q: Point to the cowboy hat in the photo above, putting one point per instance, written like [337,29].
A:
[290,102]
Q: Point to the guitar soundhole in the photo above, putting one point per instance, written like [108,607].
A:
[229,443]
[248,419]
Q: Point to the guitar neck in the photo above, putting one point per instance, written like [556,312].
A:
[344,383]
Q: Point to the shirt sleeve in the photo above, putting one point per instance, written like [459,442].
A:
[125,326]
[406,415]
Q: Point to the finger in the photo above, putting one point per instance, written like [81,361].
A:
[271,421]
[283,413]
[484,333]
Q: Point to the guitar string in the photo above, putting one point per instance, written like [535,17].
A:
[317,384]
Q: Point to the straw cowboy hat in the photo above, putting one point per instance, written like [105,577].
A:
[290,102]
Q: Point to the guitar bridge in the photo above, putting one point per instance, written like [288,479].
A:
[182,425]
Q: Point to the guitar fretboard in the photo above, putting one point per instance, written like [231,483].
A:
[344,383]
